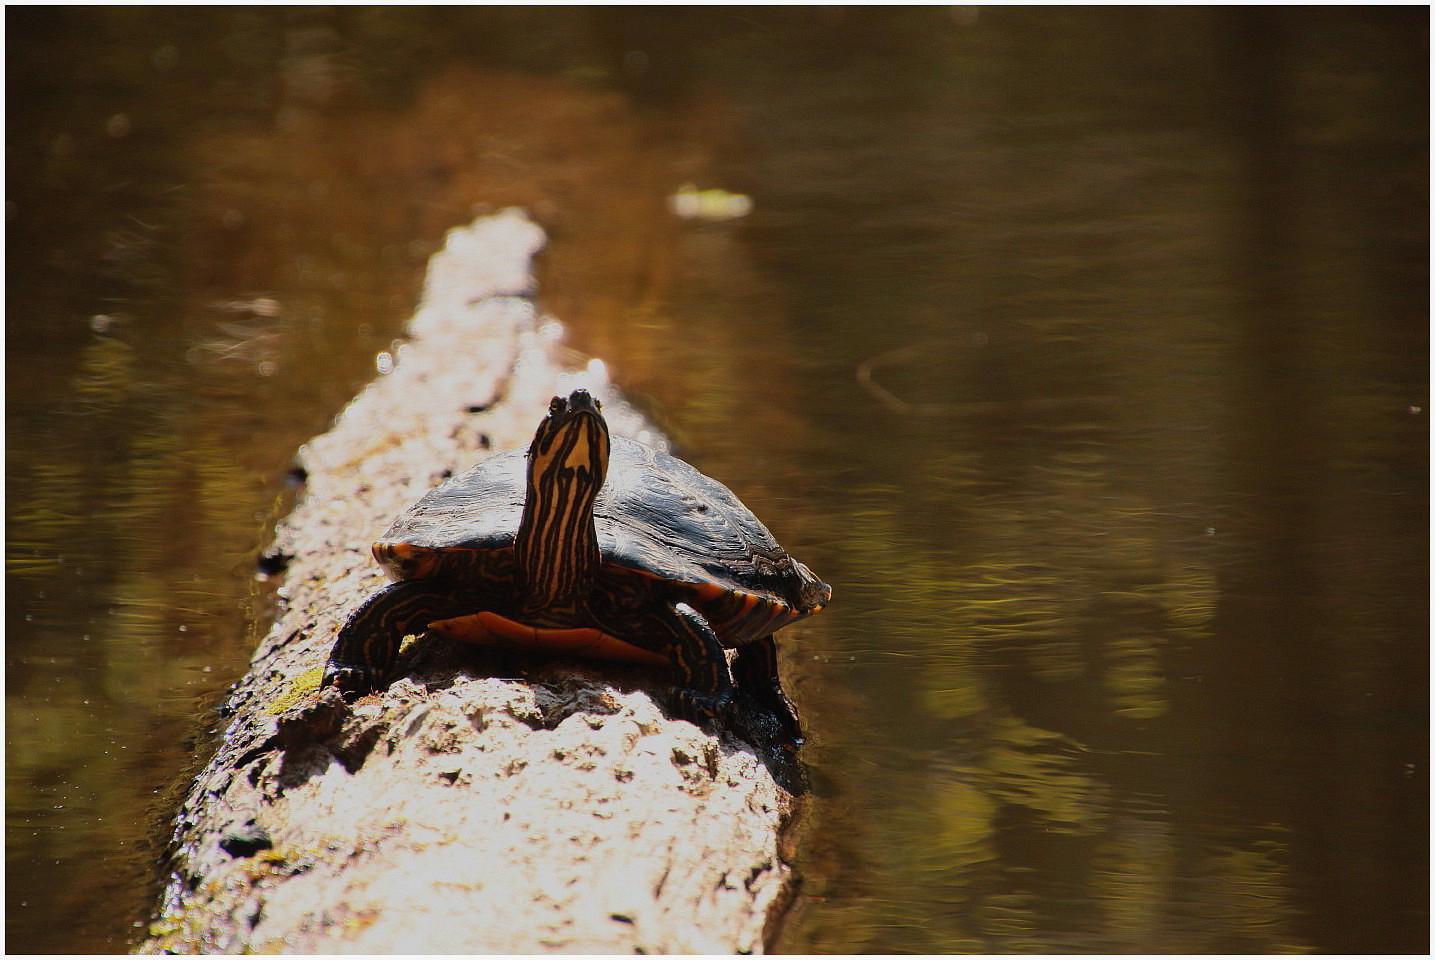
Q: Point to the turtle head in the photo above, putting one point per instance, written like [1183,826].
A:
[570,449]
[812,593]
[557,544]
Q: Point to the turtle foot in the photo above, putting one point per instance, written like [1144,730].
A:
[353,680]
[773,735]
[776,738]
[703,709]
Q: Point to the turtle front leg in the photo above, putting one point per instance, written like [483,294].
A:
[367,646]
[705,688]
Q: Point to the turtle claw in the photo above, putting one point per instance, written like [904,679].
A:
[702,709]
[353,680]
[774,737]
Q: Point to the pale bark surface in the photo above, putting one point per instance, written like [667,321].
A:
[476,805]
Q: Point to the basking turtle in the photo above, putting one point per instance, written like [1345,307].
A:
[594,547]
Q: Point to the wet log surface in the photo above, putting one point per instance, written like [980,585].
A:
[480,803]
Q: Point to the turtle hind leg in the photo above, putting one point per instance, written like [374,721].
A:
[367,646]
[768,720]
[754,670]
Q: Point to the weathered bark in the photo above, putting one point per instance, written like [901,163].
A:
[477,805]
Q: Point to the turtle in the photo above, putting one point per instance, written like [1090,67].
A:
[597,547]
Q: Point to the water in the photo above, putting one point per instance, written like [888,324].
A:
[1085,352]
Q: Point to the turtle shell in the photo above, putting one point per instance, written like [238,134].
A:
[655,516]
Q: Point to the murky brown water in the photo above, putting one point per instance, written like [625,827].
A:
[1084,351]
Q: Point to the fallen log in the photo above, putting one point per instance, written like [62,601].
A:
[479,804]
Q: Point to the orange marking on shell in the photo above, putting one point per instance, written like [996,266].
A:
[494,630]
[709,591]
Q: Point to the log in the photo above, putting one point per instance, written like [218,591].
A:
[481,803]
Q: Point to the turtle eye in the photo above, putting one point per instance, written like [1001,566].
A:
[556,406]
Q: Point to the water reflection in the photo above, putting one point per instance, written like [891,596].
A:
[1126,523]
